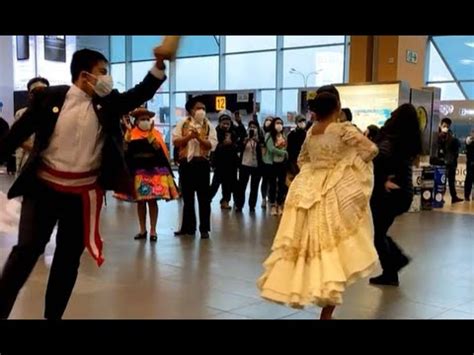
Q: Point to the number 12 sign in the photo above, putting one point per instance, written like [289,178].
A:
[220,103]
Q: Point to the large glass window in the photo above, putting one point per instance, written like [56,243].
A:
[140,70]
[118,74]
[160,105]
[117,49]
[198,45]
[196,74]
[438,70]
[303,41]
[250,71]
[313,66]
[142,46]
[451,66]
[289,101]
[449,91]
[267,103]
[249,43]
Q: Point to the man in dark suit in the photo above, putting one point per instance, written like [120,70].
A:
[77,154]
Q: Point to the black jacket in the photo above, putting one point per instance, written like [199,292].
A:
[392,162]
[41,118]
[470,152]
[226,155]
[296,139]
[448,149]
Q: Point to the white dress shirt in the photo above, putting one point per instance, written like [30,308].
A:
[77,141]
[194,147]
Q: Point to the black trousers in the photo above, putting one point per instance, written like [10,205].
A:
[469,179]
[266,171]
[385,208]
[247,173]
[277,182]
[40,212]
[225,176]
[194,178]
[451,174]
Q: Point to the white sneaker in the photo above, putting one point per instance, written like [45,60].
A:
[274,211]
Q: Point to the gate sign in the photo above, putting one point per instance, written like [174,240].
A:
[220,103]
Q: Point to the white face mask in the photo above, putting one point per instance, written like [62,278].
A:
[267,123]
[200,115]
[104,85]
[279,127]
[144,125]
[302,125]
[445,129]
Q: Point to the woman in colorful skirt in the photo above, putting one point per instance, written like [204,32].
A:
[148,160]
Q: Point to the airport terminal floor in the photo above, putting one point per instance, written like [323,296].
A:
[190,278]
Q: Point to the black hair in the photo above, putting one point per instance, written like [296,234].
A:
[403,128]
[85,60]
[324,105]
[348,113]
[373,132]
[37,79]
[447,120]
[272,129]
[225,117]
[330,89]
[192,102]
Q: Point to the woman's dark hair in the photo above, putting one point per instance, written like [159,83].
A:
[403,129]
[329,89]
[347,111]
[373,132]
[38,79]
[324,105]
[85,60]
[273,132]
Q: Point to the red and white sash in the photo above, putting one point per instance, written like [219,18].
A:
[85,185]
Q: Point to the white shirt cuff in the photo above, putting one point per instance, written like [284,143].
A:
[157,73]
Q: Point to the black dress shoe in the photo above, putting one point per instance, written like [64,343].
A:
[404,261]
[456,200]
[153,238]
[181,232]
[204,235]
[385,280]
[140,236]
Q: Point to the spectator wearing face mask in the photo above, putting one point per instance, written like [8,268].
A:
[250,168]
[148,161]
[295,141]
[266,169]
[225,159]
[276,156]
[195,138]
[448,153]
[35,85]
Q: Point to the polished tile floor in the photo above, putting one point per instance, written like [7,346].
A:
[189,278]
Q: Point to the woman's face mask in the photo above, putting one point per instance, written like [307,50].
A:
[144,125]
[200,115]
[278,127]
